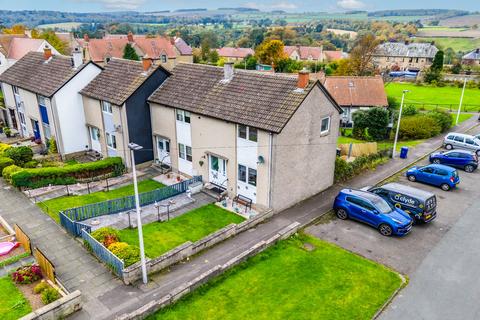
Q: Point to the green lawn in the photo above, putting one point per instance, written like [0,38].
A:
[289,282]
[13,304]
[160,237]
[53,206]
[457,44]
[430,96]
[382,145]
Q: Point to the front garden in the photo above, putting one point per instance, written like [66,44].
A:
[298,278]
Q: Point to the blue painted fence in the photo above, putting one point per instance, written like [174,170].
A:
[70,218]
[103,253]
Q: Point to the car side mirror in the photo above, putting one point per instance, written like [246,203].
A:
[375,211]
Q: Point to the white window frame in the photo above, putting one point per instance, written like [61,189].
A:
[247,133]
[111,140]
[164,59]
[182,116]
[107,107]
[185,152]
[328,125]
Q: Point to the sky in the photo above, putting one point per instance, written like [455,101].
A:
[287,5]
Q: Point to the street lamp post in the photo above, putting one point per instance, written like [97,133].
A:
[398,124]
[135,147]
[461,100]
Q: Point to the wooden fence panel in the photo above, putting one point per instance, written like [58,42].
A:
[48,270]
[359,149]
[23,239]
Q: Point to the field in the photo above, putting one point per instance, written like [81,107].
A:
[65,26]
[299,278]
[54,206]
[461,21]
[161,237]
[457,44]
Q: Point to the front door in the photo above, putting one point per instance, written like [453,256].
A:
[23,123]
[163,151]
[13,119]
[36,129]
[217,172]
[95,139]
[247,182]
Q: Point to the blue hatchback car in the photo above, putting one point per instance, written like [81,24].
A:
[435,174]
[371,209]
[462,159]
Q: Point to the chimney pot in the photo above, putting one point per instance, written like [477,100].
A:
[228,71]
[47,53]
[303,79]
[146,63]
[77,58]
[130,36]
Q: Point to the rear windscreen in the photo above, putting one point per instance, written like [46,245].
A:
[431,203]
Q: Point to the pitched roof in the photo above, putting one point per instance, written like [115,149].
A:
[118,81]
[357,91]
[474,55]
[305,52]
[16,46]
[34,74]
[182,46]
[334,55]
[402,49]
[261,100]
[231,52]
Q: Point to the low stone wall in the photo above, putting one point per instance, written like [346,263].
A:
[203,278]
[58,309]
[134,272]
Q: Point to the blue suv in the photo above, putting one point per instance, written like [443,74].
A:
[371,209]
[462,159]
[435,174]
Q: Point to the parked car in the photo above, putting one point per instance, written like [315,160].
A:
[462,159]
[461,141]
[419,204]
[371,209]
[435,174]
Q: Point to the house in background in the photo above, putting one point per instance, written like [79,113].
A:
[334,55]
[116,108]
[270,138]
[41,93]
[231,54]
[304,53]
[472,58]
[404,56]
[356,93]
[14,47]
[165,51]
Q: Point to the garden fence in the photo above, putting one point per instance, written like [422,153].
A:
[47,267]
[103,253]
[22,237]
[70,219]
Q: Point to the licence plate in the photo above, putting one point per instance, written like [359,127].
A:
[428,217]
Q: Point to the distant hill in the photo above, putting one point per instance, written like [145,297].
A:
[239,9]
[417,12]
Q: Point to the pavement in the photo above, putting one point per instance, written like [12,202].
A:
[106,297]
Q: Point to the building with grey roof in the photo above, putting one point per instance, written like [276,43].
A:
[404,56]
[472,58]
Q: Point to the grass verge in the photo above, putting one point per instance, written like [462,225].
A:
[160,237]
[54,206]
[289,281]
[13,305]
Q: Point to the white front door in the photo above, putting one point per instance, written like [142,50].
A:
[247,182]
[23,123]
[163,151]
[217,172]
[95,139]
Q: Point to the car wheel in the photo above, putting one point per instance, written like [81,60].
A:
[448,147]
[469,168]
[342,214]
[436,161]
[412,178]
[445,187]
[385,230]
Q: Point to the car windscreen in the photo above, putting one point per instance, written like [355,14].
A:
[382,205]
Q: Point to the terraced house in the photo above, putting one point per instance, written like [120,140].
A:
[41,93]
[116,109]
[270,138]
[404,56]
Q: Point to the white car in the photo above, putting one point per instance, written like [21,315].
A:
[455,140]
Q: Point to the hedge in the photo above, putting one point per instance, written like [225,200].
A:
[20,155]
[420,126]
[3,147]
[42,177]
[346,170]
[5,162]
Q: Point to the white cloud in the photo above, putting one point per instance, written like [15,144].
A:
[282,5]
[117,4]
[350,4]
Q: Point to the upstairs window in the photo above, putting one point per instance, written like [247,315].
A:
[164,58]
[42,101]
[247,133]
[325,125]
[106,107]
[15,89]
[183,116]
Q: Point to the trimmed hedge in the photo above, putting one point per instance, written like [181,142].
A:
[346,170]
[5,162]
[8,171]
[20,155]
[420,126]
[41,177]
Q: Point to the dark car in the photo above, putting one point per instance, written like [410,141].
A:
[371,209]
[419,204]
[438,175]
[462,159]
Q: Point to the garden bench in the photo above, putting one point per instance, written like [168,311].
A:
[247,202]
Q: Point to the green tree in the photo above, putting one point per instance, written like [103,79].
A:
[130,53]
[437,64]
[270,52]
[53,39]
[288,66]
[213,56]
[371,124]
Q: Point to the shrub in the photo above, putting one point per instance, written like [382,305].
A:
[40,287]
[409,110]
[8,171]
[27,274]
[106,235]
[3,147]
[41,177]
[20,155]
[52,146]
[49,295]
[128,253]
[443,119]
[371,124]
[5,162]
[31,164]
[418,127]
[345,170]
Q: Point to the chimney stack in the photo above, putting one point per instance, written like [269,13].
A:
[86,37]
[47,53]
[130,36]
[172,41]
[77,58]
[228,71]
[303,79]
[146,62]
